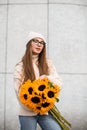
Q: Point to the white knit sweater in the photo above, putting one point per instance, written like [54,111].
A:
[19,78]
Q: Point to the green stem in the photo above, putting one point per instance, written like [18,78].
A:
[62,125]
[57,113]
[59,117]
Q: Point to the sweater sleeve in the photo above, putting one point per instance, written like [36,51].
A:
[53,75]
[18,77]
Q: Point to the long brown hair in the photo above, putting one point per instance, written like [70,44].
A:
[28,65]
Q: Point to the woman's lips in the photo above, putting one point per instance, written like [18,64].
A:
[38,49]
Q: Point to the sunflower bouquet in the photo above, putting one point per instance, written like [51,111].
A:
[40,96]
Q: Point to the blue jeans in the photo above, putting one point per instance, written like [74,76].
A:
[46,122]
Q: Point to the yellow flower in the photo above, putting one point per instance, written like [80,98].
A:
[46,106]
[34,102]
[24,97]
[25,92]
[52,93]
[40,86]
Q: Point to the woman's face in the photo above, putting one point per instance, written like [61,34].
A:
[37,45]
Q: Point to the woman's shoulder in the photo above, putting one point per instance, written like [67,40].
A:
[19,65]
[50,62]
[18,70]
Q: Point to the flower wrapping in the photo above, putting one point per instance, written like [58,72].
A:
[39,95]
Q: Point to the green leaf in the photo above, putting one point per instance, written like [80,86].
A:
[57,99]
[51,84]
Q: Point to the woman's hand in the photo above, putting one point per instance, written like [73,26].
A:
[42,77]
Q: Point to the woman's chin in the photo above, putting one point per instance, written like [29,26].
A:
[36,53]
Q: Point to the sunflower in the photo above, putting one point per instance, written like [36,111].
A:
[26,91]
[34,102]
[52,94]
[43,108]
[40,86]
[24,97]
[27,86]
[46,106]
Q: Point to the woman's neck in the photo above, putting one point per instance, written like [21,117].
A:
[35,58]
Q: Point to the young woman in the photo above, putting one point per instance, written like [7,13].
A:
[35,65]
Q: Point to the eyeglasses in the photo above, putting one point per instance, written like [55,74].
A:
[37,42]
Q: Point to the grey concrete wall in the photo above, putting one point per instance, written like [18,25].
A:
[64,24]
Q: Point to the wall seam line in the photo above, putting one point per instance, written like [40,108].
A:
[84,5]
[7,73]
[5,68]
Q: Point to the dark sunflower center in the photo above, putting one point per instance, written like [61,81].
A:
[41,87]
[25,96]
[30,90]
[50,94]
[46,104]
[35,99]
[39,108]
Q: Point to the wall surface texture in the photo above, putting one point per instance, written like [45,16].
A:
[64,24]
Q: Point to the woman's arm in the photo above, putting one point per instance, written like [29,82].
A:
[18,77]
